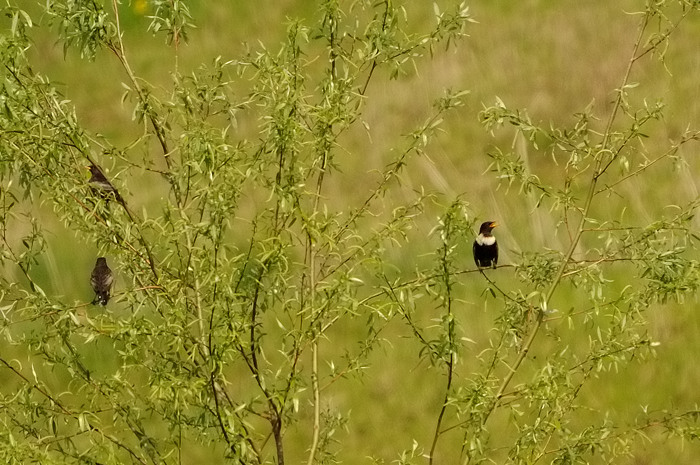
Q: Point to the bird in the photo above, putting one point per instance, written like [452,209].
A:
[485,247]
[101,184]
[101,280]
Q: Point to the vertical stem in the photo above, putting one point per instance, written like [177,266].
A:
[326,129]
[446,274]
[314,359]
[450,371]
[158,130]
[275,415]
[312,301]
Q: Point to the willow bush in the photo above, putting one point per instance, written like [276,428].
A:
[250,290]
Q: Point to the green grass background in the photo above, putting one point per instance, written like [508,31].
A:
[551,57]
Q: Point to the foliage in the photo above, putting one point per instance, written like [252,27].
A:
[242,274]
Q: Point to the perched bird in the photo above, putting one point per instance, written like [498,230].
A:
[101,280]
[101,184]
[485,247]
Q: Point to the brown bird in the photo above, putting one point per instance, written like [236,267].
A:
[101,184]
[485,247]
[101,280]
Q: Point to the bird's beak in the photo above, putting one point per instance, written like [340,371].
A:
[494,224]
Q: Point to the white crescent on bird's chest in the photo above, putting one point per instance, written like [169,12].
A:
[485,240]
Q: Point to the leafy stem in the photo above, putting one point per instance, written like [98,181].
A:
[584,211]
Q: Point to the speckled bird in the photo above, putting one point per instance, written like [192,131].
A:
[101,184]
[101,280]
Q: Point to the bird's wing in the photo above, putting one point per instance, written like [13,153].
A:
[474,245]
[94,279]
[108,278]
[101,278]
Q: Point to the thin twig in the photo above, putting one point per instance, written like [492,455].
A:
[119,52]
[68,413]
[597,172]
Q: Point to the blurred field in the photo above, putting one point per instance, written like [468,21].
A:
[552,58]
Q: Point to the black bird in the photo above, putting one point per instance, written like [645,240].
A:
[101,184]
[485,247]
[101,280]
